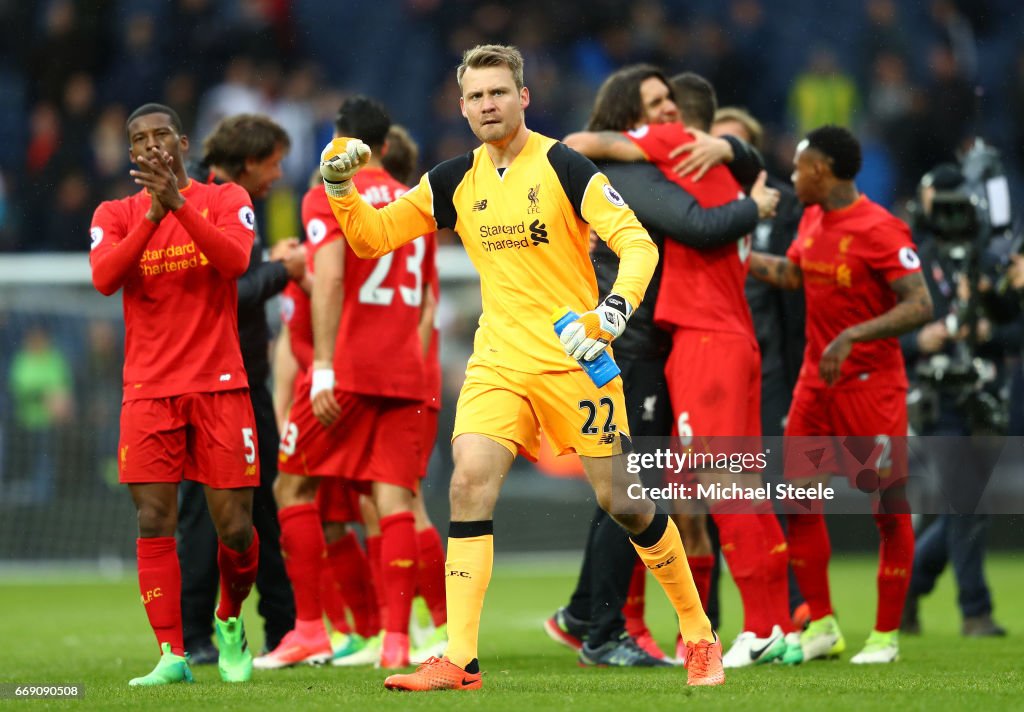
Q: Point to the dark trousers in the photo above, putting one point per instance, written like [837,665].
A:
[959,538]
[197,545]
[609,556]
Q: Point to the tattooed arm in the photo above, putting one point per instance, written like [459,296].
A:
[913,309]
[779,272]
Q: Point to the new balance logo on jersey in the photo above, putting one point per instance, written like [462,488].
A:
[607,439]
[538,232]
[480,205]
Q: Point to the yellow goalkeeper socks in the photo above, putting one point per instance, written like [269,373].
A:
[661,550]
[467,574]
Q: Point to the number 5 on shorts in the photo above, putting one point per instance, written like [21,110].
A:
[250,445]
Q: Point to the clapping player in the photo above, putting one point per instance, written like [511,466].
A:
[176,249]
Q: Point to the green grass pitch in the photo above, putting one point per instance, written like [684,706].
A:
[93,632]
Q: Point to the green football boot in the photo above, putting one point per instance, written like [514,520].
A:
[235,661]
[879,648]
[822,639]
[794,654]
[171,669]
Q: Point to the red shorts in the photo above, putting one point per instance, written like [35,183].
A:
[338,500]
[430,416]
[205,437]
[714,383]
[374,440]
[859,433]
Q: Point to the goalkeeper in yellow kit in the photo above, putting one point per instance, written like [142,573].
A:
[524,205]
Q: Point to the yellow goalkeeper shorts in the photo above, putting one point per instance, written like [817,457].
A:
[512,407]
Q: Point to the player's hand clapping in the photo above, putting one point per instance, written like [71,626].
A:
[155,173]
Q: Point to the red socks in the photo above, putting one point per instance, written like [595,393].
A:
[743,546]
[302,544]
[160,585]
[895,561]
[237,575]
[774,567]
[700,567]
[331,597]
[809,553]
[430,573]
[352,573]
[373,559]
[398,569]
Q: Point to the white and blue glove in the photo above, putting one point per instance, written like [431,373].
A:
[591,333]
[339,161]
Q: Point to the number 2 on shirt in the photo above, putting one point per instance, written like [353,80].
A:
[371,292]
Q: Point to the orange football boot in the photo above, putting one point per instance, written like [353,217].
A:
[443,674]
[704,663]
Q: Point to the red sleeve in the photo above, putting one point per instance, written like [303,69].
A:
[795,251]
[658,140]
[115,250]
[893,254]
[319,222]
[226,239]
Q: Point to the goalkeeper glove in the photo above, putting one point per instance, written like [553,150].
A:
[339,161]
[588,336]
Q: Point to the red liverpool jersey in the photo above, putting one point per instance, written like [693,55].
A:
[378,349]
[296,308]
[700,289]
[295,314]
[848,258]
[180,310]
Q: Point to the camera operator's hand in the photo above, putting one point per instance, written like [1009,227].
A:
[984,331]
[932,337]
[1015,272]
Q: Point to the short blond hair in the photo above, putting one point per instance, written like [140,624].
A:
[742,116]
[492,56]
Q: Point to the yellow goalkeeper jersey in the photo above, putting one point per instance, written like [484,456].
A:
[526,229]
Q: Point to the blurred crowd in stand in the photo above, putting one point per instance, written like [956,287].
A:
[907,76]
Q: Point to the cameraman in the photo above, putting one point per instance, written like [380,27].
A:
[940,357]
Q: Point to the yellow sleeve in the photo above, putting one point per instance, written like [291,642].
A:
[373,233]
[618,226]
